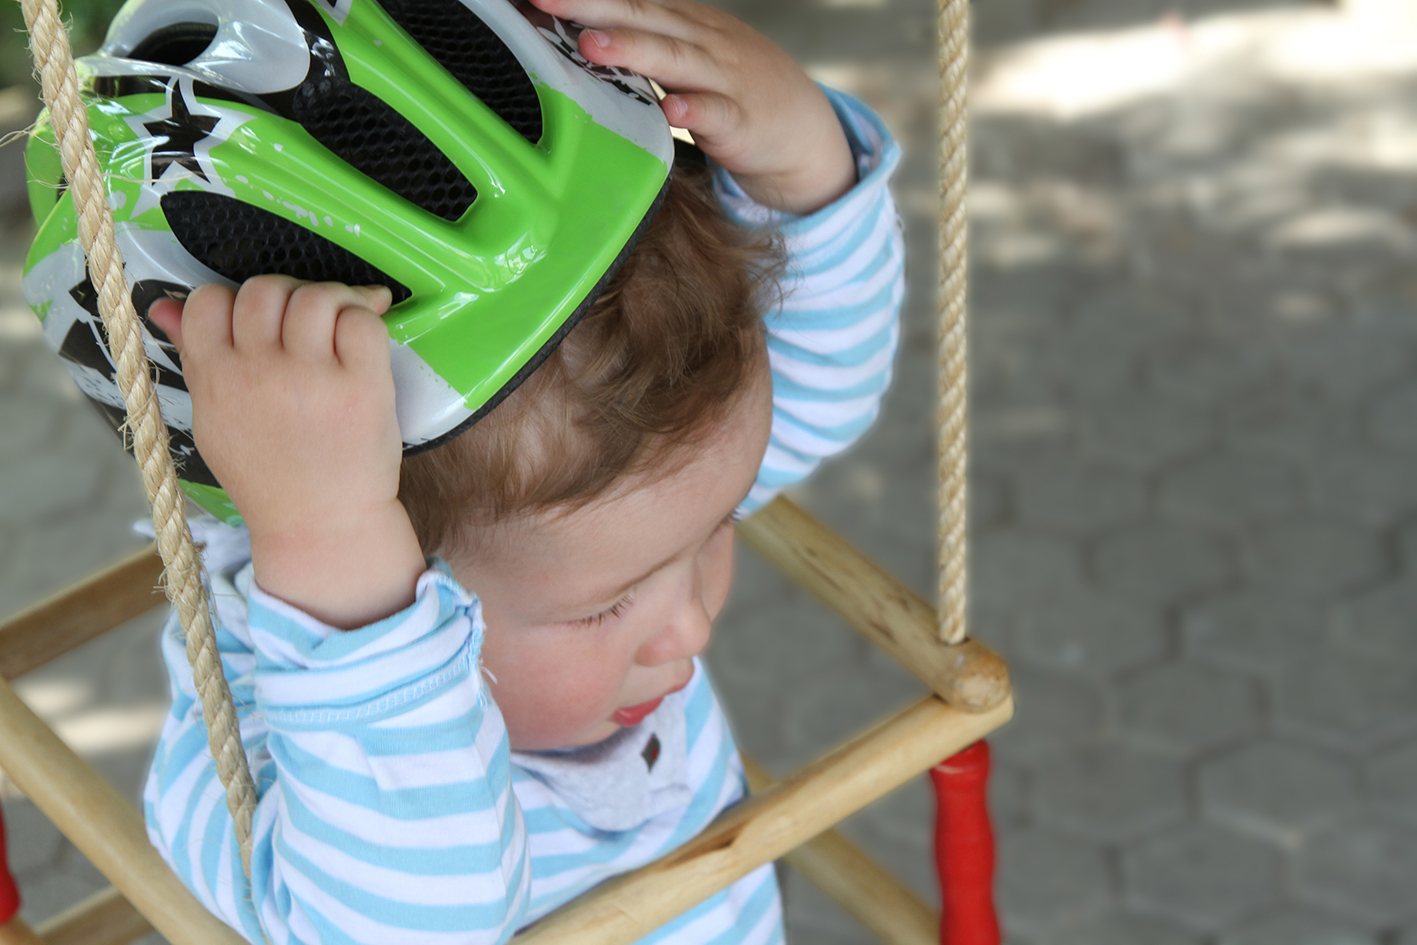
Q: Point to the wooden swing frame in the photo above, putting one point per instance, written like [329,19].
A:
[969,690]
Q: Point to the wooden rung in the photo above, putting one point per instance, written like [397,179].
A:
[968,675]
[105,918]
[764,827]
[18,932]
[860,885]
[93,606]
[104,826]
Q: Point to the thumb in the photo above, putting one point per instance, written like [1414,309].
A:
[166,316]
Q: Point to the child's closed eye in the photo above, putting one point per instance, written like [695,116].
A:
[614,610]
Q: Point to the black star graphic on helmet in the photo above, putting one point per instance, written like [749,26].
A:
[181,131]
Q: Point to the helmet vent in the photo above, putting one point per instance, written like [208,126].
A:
[475,56]
[175,45]
[376,140]
[238,241]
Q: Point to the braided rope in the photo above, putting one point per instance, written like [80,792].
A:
[953,377]
[184,579]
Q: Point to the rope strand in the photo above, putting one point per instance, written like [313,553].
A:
[953,365]
[184,579]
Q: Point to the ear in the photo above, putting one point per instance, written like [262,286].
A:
[166,314]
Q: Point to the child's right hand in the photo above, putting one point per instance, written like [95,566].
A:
[747,104]
[293,411]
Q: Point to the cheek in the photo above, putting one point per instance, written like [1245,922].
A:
[717,571]
[552,688]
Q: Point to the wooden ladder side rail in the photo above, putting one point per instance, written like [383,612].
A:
[879,901]
[85,610]
[764,827]
[860,885]
[968,675]
[105,918]
[102,824]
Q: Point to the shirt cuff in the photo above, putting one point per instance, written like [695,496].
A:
[310,675]
[876,155]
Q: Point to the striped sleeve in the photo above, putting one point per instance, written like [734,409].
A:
[383,771]
[832,336]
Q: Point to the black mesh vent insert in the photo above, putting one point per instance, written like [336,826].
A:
[239,241]
[379,142]
[475,56]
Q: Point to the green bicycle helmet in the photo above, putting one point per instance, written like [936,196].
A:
[461,152]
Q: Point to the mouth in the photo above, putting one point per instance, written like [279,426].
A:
[635,714]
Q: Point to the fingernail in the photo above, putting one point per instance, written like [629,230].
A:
[675,106]
[600,39]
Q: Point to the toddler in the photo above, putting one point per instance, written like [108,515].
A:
[468,680]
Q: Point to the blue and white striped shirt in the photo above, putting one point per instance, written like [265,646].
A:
[392,809]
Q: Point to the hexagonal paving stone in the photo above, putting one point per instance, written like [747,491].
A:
[780,640]
[1349,701]
[1363,485]
[1278,791]
[1257,631]
[27,422]
[1392,782]
[1054,713]
[1297,927]
[1078,499]
[1380,621]
[1365,870]
[1311,556]
[1142,433]
[1390,417]
[1349,358]
[1011,568]
[32,842]
[1183,707]
[37,486]
[1160,563]
[1047,880]
[1287,421]
[1202,876]
[1099,353]
[1228,489]
[1010,796]
[1110,793]
[824,713]
[1207,371]
[1121,928]
[1089,633]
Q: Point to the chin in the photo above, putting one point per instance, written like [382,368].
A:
[549,741]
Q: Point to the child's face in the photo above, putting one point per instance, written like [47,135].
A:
[595,615]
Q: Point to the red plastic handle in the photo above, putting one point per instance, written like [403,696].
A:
[964,848]
[9,892]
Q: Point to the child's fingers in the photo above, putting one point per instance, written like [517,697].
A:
[707,115]
[659,16]
[206,322]
[670,61]
[361,339]
[166,316]
[308,329]
[259,311]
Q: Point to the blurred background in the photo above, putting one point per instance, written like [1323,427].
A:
[1194,461]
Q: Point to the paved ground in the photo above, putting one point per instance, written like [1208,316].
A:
[1194,365]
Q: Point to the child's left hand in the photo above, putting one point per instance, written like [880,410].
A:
[747,104]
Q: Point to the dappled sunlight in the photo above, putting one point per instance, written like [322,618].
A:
[1084,74]
[112,729]
[56,698]
[1288,134]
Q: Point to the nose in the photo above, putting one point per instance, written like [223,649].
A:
[683,635]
